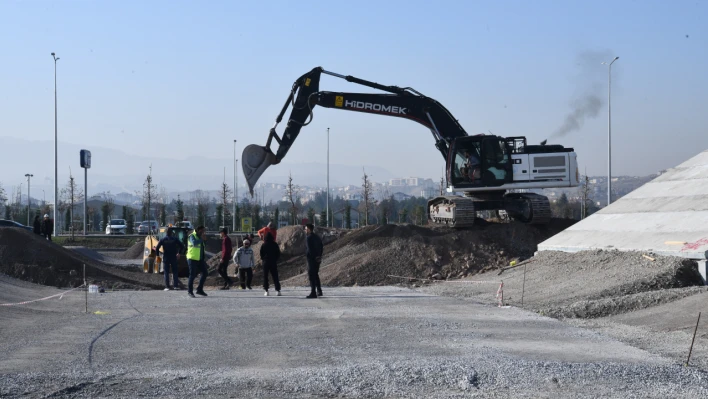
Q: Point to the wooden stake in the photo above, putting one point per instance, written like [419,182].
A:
[694,338]
[523,288]
[86,287]
[649,257]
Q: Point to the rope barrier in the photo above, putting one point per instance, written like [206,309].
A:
[60,295]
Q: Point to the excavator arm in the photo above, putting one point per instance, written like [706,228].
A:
[400,102]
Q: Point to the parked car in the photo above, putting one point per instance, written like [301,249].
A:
[116,226]
[12,223]
[185,224]
[147,227]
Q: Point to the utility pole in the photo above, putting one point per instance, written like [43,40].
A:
[609,130]
[28,197]
[235,189]
[56,163]
[327,217]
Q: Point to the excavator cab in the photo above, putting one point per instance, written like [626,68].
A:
[479,161]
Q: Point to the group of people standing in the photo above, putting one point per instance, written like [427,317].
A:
[45,227]
[243,258]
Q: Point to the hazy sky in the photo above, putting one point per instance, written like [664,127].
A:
[179,79]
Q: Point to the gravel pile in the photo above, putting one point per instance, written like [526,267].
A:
[135,251]
[587,284]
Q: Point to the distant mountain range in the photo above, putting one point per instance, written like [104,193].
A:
[119,171]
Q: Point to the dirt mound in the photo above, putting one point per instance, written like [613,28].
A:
[367,255]
[134,252]
[31,258]
[588,284]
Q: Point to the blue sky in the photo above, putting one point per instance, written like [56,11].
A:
[179,79]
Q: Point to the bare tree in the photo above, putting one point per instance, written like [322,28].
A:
[224,195]
[293,193]
[366,191]
[72,194]
[147,196]
[3,200]
[200,200]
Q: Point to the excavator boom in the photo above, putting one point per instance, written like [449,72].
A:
[404,103]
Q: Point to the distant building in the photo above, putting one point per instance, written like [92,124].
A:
[407,181]
[399,196]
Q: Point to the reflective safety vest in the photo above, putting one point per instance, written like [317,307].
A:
[194,253]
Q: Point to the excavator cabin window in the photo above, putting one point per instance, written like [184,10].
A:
[480,162]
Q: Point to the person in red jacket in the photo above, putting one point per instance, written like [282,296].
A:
[268,229]
[226,248]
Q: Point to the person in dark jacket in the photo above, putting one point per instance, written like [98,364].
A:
[314,259]
[270,253]
[226,248]
[47,228]
[37,227]
[171,247]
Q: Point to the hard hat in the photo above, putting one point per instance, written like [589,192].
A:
[46,216]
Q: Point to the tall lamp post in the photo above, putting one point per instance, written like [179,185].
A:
[327,216]
[233,215]
[56,167]
[609,129]
[28,175]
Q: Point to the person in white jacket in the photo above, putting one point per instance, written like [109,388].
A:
[244,260]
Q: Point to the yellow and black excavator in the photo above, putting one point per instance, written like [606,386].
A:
[152,261]
[489,170]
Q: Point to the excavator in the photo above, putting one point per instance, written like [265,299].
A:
[484,172]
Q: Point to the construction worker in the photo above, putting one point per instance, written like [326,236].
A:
[244,260]
[270,252]
[226,249]
[196,260]
[47,227]
[314,259]
[268,229]
[37,225]
[171,247]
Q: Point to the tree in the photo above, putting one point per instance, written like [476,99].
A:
[148,196]
[67,222]
[277,217]
[220,213]
[562,208]
[323,217]
[224,195]
[72,195]
[200,200]
[403,215]
[180,209]
[348,216]
[3,201]
[293,193]
[311,215]
[129,220]
[366,190]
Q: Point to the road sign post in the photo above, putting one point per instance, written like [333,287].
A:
[86,164]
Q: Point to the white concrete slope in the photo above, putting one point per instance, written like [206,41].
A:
[667,216]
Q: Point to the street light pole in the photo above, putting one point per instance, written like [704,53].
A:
[609,130]
[233,215]
[29,203]
[327,216]
[56,164]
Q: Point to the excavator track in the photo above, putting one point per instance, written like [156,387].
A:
[455,212]
[535,208]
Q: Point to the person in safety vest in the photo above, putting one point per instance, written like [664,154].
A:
[196,260]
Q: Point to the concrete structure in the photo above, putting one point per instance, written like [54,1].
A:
[667,216]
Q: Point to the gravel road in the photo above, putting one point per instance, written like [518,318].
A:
[371,342]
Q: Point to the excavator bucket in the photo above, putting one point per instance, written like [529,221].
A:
[255,160]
